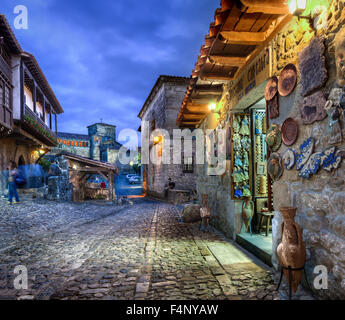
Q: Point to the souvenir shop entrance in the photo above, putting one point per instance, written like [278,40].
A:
[255,233]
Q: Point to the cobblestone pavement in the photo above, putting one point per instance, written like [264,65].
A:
[102,251]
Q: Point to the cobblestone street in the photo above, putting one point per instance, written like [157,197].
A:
[102,251]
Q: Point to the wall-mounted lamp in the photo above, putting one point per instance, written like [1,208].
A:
[297,7]
[212,107]
[157,139]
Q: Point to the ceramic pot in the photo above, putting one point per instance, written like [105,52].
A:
[291,251]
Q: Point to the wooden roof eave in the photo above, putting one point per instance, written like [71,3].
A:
[229,36]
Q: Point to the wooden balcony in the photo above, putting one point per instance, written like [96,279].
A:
[36,126]
[5,68]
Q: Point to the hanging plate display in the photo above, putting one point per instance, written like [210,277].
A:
[273,107]
[287,80]
[274,138]
[312,166]
[274,167]
[271,88]
[289,131]
[306,150]
[330,159]
[289,159]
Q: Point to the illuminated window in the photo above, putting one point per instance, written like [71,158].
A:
[69,142]
[87,144]
[79,143]
[84,144]
[65,142]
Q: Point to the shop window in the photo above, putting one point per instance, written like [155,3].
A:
[188,166]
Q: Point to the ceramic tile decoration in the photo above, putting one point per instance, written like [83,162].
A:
[289,159]
[306,149]
[330,159]
[313,108]
[312,166]
[312,66]
[241,154]
[245,127]
[274,167]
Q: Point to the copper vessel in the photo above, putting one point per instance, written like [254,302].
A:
[291,251]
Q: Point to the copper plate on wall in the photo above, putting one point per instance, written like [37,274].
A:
[287,80]
[271,88]
[289,131]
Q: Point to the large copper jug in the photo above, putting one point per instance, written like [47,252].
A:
[291,251]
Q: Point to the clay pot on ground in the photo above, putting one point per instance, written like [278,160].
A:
[291,251]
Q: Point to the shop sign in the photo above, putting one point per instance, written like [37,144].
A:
[252,76]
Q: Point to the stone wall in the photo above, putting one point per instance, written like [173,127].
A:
[163,110]
[321,199]
[80,151]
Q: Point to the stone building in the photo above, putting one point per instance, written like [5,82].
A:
[99,144]
[276,69]
[28,105]
[159,112]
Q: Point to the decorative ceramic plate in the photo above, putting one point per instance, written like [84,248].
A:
[273,107]
[274,167]
[306,149]
[274,138]
[287,80]
[330,159]
[271,88]
[312,166]
[289,159]
[289,131]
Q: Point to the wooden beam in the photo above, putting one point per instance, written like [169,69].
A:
[244,38]
[266,6]
[209,88]
[197,109]
[228,60]
[103,175]
[188,116]
[216,76]
[190,122]
[204,97]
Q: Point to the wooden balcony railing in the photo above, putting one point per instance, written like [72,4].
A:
[31,114]
[5,68]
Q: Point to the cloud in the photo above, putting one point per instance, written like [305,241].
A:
[103,57]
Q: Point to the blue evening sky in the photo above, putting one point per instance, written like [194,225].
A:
[103,57]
